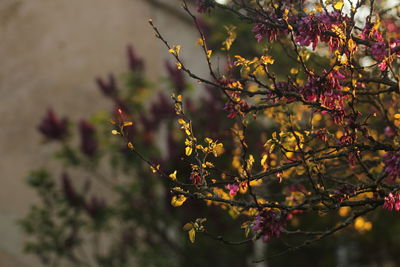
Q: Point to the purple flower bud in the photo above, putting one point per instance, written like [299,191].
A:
[89,143]
[135,63]
[52,127]
[69,191]
[108,88]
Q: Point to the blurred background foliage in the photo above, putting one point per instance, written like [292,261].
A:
[107,208]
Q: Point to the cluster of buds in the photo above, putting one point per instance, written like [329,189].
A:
[392,202]
[269,223]
[52,127]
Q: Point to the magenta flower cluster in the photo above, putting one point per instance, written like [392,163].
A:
[269,223]
[392,202]
[195,178]
[379,50]
[308,30]
[233,189]
[325,89]
[314,28]
[262,30]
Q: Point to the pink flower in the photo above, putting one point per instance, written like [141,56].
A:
[262,30]
[233,189]
[370,33]
[394,44]
[382,65]
[308,31]
[195,178]
[235,109]
[379,50]
[392,202]
[327,90]
[313,28]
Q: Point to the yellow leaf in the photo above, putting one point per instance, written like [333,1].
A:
[367,226]
[130,145]
[173,175]
[247,232]
[271,149]
[200,147]
[257,182]
[264,159]
[344,211]
[343,59]
[267,60]
[175,50]
[359,223]
[192,235]
[209,164]
[397,116]
[338,5]
[218,150]
[200,42]
[250,161]
[188,150]
[187,226]
[351,45]
[231,37]
[114,132]
[128,123]
[178,201]
[155,169]
[209,52]
[285,14]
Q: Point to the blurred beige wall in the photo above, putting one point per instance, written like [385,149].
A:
[51,51]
